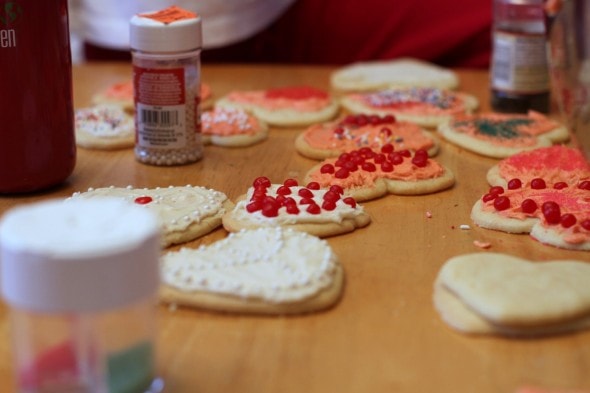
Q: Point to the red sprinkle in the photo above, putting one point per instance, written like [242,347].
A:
[349,201]
[538,184]
[560,185]
[327,168]
[501,203]
[143,200]
[514,184]
[551,212]
[261,181]
[314,185]
[568,220]
[585,185]
[313,208]
[528,206]
[291,183]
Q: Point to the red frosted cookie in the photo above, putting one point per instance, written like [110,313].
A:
[368,174]
[325,140]
[425,106]
[320,212]
[553,164]
[232,128]
[285,106]
[558,215]
[502,135]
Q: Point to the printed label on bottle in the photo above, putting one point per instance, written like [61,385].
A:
[10,13]
[160,104]
[519,63]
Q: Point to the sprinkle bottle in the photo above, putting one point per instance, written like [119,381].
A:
[166,50]
[80,278]
[519,67]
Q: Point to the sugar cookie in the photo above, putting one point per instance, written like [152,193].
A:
[325,140]
[232,128]
[425,106]
[261,271]
[104,127]
[320,212]
[185,213]
[285,107]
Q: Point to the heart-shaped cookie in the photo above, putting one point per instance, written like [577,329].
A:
[492,292]
[267,270]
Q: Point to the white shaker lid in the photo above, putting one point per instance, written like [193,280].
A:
[78,255]
[170,30]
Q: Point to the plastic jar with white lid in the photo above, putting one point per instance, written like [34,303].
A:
[81,278]
[166,55]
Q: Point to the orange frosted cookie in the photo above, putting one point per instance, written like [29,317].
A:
[425,106]
[285,106]
[367,174]
[553,164]
[121,94]
[557,215]
[232,128]
[502,135]
[325,140]
[311,209]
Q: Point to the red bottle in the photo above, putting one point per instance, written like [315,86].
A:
[37,144]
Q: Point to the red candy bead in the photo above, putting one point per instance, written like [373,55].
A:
[528,206]
[496,190]
[337,189]
[327,168]
[420,161]
[253,206]
[305,193]
[292,209]
[369,167]
[313,209]
[514,184]
[386,131]
[586,224]
[341,173]
[291,183]
[349,201]
[538,184]
[306,201]
[560,185]
[270,210]
[389,119]
[551,212]
[501,203]
[143,200]
[568,220]
[405,153]
[261,181]
[386,166]
[283,190]
[350,166]
[387,148]
[314,185]
[489,197]
[585,185]
[329,205]
[395,158]
[331,196]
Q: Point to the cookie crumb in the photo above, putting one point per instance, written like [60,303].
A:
[428,214]
[480,244]
[464,227]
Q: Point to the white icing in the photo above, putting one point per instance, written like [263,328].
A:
[176,207]
[273,264]
[104,121]
[338,215]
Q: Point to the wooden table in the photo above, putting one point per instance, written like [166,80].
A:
[384,335]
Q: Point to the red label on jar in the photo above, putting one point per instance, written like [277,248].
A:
[159,86]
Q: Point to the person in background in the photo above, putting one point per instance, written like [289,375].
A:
[331,32]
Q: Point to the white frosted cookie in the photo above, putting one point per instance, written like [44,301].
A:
[492,293]
[401,72]
[286,106]
[367,174]
[319,212]
[557,215]
[185,213]
[330,139]
[554,164]
[260,271]
[104,127]
[425,106]
[502,135]
[232,128]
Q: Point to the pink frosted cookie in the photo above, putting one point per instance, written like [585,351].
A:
[232,128]
[311,209]
[502,135]
[286,106]
[553,164]
[325,140]
[425,106]
[367,174]
[557,215]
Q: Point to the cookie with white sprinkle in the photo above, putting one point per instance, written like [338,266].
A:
[185,213]
[232,128]
[104,127]
[260,271]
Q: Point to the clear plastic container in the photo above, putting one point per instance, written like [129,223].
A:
[81,277]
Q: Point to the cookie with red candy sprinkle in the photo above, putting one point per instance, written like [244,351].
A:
[232,128]
[368,174]
[318,211]
[500,135]
[330,139]
[291,106]
[554,164]
[557,215]
[425,106]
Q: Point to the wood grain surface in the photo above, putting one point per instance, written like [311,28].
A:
[384,335]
